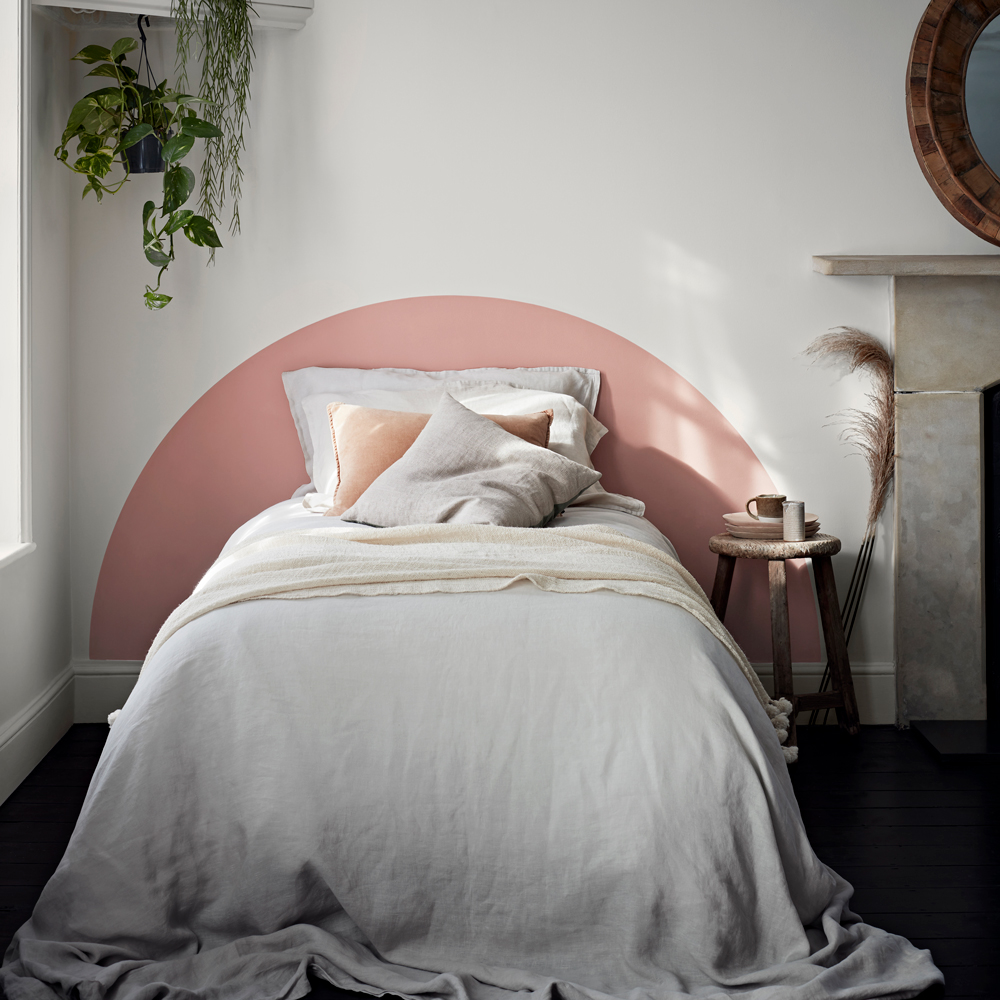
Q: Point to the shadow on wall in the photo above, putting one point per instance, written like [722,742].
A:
[677,495]
[236,452]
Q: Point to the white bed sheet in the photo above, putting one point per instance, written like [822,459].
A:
[514,795]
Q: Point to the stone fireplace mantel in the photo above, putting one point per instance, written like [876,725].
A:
[918,265]
[946,338]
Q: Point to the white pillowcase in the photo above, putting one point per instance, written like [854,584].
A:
[583,384]
[574,432]
[465,469]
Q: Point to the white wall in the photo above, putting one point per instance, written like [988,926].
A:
[36,693]
[652,169]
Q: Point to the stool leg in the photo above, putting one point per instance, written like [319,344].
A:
[723,582]
[836,647]
[780,640]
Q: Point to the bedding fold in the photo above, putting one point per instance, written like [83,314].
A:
[456,558]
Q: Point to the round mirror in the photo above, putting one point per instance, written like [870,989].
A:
[982,94]
[953,108]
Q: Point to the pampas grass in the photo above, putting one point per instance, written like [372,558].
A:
[873,433]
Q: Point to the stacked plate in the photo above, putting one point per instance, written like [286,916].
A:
[742,525]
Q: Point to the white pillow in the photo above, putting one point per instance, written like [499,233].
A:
[583,384]
[574,432]
[465,469]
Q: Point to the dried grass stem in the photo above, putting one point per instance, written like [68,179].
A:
[872,432]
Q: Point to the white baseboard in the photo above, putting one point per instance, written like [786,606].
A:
[874,685]
[35,730]
[102,686]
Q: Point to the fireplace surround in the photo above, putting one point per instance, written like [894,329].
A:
[946,340]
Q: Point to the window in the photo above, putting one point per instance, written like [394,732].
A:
[15,507]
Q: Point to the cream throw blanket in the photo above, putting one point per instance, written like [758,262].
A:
[456,558]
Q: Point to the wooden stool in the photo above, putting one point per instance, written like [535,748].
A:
[819,548]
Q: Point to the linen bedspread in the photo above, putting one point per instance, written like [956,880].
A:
[458,558]
[455,795]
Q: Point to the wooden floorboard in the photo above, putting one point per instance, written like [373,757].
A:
[906,876]
[955,952]
[917,838]
[924,898]
[981,837]
[944,800]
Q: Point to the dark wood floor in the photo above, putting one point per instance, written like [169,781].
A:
[918,839]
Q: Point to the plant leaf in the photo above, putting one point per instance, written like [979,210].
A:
[98,164]
[154,252]
[105,69]
[177,148]
[202,129]
[79,114]
[136,134]
[93,53]
[147,210]
[107,122]
[122,46]
[87,187]
[172,97]
[155,300]
[110,101]
[177,220]
[201,232]
[178,183]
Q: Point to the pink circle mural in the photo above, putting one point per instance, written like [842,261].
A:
[235,452]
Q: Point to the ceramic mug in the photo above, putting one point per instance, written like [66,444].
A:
[768,507]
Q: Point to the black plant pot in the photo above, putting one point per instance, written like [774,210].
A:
[144,157]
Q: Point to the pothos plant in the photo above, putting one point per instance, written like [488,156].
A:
[111,120]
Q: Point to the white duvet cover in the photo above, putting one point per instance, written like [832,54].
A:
[454,795]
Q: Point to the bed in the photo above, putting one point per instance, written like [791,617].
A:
[455,760]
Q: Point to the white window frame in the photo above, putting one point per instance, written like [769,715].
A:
[15,250]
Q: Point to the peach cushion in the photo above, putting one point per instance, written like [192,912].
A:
[367,441]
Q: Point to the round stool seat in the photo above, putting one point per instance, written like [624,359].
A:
[819,548]
[774,548]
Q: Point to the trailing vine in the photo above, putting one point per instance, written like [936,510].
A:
[108,122]
[220,33]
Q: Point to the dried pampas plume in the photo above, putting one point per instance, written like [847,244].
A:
[874,431]
[874,434]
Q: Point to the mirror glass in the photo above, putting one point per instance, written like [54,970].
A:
[982,94]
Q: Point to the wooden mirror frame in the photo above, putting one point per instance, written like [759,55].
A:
[935,111]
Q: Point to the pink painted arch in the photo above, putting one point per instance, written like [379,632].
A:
[235,452]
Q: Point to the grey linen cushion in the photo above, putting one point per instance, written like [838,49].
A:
[465,469]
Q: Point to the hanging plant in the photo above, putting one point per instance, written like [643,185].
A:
[220,34]
[109,122]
